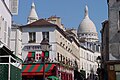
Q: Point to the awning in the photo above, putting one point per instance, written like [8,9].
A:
[35,69]
[31,54]
[6,51]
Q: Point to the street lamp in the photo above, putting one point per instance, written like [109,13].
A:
[98,60]
[45,46]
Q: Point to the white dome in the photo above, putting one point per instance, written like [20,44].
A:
[87,26]
[87,30]
[33,15]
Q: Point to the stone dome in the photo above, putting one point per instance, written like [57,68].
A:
[33,15]
[87,30]
[87,26]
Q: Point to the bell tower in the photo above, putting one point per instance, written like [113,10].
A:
[33,14]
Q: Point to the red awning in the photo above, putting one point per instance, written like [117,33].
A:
[36,69]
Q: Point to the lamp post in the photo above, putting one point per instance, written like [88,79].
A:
[45,46]
[98,60]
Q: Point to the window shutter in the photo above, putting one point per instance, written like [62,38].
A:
[14,7]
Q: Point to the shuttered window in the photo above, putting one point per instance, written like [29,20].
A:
[14,7]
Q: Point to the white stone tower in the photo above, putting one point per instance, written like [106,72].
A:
[33,15]
[87,30]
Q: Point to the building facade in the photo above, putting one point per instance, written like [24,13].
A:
[15,40]
[5,22]
[104,49]
[110,52]
[10,64]
[64,54]
[89,46]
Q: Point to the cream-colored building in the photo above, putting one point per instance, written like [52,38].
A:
[65,45]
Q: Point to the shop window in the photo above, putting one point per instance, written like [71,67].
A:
[38,56]
[32,37]
[30,57]
[117,75]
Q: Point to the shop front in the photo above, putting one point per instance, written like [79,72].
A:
[35,71]
[66,73]
[113,70]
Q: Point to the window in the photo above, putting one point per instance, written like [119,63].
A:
[63,60]
[45,35]
[32,37]
[66,47]
[58,56]
[63,45]
[53,21]
[0,24]
[5,31]
[87,56]
[119,23]
[117,75]
[61,57]
[9,36]
[38,56]
[66,60]
[60,43]
[97,48]
[5,35]
[117,0]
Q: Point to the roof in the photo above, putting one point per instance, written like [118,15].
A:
[40,22]
[43,23]
[87,26]
[37,69]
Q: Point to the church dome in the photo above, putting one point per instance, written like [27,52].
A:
[87,30]
[87,26]
[33,15]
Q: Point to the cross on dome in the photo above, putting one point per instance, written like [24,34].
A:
[86,11]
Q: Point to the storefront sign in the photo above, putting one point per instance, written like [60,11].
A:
[32,48]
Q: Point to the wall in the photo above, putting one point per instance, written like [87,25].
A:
[5,17]
[114,28]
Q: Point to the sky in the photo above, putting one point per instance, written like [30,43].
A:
[70,11]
